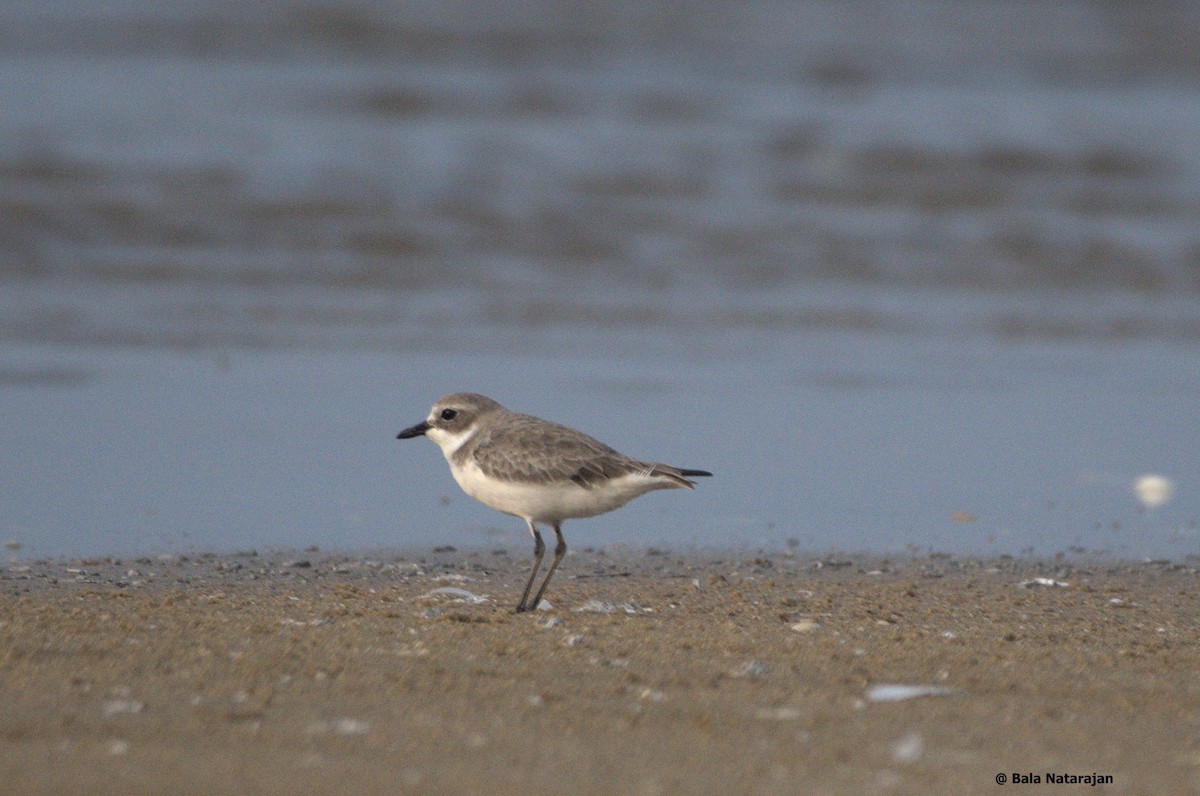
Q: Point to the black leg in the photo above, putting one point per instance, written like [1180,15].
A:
[560,550]
[539,550]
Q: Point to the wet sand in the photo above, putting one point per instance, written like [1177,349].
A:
[682,674]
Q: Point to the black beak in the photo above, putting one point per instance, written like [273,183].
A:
[416,431]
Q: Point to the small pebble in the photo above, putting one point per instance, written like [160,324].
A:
[751,669]
[899,693]
[463,595]
[1029,584]
[116,707]
[595,607]
[343,726]
[349,726]
[909,748]
[651,695]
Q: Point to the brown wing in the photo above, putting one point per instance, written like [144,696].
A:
[532,450]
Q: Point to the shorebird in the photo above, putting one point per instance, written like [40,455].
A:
[539,471]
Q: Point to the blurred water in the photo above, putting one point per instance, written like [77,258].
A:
[918,278]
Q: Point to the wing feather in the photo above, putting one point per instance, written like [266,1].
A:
[528,449]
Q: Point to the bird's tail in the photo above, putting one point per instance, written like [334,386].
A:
[678,475]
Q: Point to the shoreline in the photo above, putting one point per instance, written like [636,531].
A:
[109,568]
[656,672]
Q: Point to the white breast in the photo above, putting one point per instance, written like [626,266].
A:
[552,502]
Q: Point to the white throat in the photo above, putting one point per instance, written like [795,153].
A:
[450,442]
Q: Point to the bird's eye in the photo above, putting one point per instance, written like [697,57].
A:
[449,414]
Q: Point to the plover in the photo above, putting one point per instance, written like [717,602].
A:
[537,470]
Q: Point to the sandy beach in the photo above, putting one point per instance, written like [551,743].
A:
[909,278]
[654,672]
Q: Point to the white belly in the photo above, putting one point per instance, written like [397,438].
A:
[553,502]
